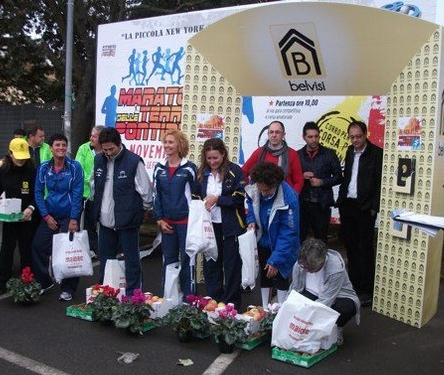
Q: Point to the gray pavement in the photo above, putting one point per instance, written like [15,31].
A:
[41,339]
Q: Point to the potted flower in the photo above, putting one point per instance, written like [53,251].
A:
[188,319]
[132,312]
[24,289]
[228,327]
[103,302]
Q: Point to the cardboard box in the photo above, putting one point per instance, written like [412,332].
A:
[301,359]
[81,311]
[11,217]
[161,308]
[10,206]
[254,341]
[148,325]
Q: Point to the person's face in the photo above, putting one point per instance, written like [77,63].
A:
[171,146]
[94,139]
[39,138]
[110,149]
[309,269]
[357,137]
[266,190]
[311,138]
[214,159]
[18,162]
[59,149]
[276,134]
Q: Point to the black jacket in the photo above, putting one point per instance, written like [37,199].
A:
[231,201]
[326,166]
[369,177]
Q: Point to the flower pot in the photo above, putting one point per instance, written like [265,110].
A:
[224,347]
[106,322]
[185,336]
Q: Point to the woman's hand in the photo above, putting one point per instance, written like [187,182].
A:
[165,227]
[72,226]
[210,201]
[251,226]
[52,223]
[271,271]
[27,214]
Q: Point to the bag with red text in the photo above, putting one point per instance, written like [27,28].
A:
[200,233]
[70,255]
[302,324]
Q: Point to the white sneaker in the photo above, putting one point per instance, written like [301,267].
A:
[340,339]
[65,296]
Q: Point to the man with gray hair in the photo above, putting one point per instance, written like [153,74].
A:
[321,276]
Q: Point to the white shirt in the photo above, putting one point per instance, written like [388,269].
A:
[214,187]
[353,185]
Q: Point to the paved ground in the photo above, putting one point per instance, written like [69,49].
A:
[41,339]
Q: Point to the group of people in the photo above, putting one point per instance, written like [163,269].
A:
[280,193]
[105,182]
[287,194]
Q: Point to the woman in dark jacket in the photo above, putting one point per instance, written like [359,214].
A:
[221,185]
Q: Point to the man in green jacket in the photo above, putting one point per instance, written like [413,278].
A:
[38,149]
[85,156]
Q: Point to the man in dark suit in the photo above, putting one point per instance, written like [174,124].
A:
[358,203]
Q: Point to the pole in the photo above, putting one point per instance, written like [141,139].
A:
[68,73]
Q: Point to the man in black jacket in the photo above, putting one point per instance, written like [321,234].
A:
[322,171]
[358,203]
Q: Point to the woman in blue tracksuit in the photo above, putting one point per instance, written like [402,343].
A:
[59,198]
[273,210]
[174,184]
[221,184]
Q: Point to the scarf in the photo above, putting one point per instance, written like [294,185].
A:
[281,153]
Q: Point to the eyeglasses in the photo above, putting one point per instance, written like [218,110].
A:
[309,269]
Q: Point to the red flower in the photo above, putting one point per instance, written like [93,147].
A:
[27,276]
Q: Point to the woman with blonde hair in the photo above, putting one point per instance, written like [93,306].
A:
[221,185]
[174,183]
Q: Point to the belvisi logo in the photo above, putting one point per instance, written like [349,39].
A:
[298,51]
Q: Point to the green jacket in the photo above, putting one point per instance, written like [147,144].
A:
[85,156]
[44,153]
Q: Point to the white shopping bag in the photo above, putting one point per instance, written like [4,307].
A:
[200,233]
[250,260]
[115,273]
[172,290]
[70,255]
[301,324]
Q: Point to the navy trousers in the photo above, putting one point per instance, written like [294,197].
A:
[41,253]
[128,239]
